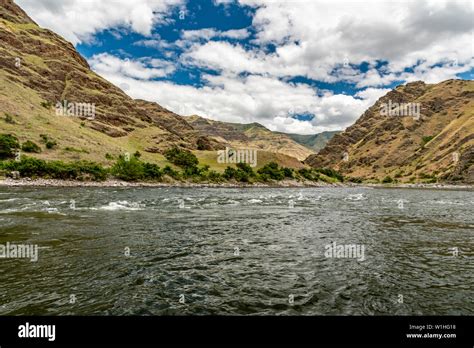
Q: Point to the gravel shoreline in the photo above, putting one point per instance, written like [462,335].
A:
[119,183]
[26,182]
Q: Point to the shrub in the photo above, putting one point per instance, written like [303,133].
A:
[306,173]
[152,171]
[426,139]
[214,176]
[230,173]
[30,167]
[243,173]
[182,158]
[191,171]
[50,143]
[46,104]
[8,146]
[288,172]
[97,172]
[30,146]
[429,178]
[272,171]
[263,177]
[9,118]
[244,167]
[387,180]
[331,173]
[131,170]
[171,172]
[235,174]
[33,167]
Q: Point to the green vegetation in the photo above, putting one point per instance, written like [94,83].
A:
[50,143]
[243,173]
[132,168]
[387,180]
[128,169]
[9,144]
[428,178]
[271,171]
[33,167]
[9,118]
[171,172]
[331,173]
[46,104]
[30,146]
[426,139]
[181,158]
[355,180]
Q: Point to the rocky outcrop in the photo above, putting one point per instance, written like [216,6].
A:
[44,62]
[435,142]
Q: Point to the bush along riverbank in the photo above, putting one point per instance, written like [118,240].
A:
[186,170]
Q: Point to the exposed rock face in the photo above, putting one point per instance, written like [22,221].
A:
[438,143]
[252,135]
[44,62]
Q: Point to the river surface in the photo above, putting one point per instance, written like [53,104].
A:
[260,251]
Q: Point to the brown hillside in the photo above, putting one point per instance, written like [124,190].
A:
[252,135]
[41,61]
[437,145]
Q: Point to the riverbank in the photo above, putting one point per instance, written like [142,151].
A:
[25,182]
[120,183]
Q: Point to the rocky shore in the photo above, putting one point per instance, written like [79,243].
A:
[25,182]
[8,182]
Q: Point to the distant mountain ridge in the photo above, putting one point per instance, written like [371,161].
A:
[257,136]
[314,142]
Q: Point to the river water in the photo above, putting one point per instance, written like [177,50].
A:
[262,251]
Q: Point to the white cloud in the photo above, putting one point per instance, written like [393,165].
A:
[238,34]
[210,33]
[325,41]
[79,20]
[372,94]
[314,38]
[254,98]
[143,69]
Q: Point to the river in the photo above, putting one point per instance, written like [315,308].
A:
[224,251]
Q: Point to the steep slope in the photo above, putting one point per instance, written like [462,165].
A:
[39,69]
[314,142]
[437,144]
[252,135]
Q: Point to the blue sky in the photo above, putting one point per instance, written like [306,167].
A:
[197,15]
[300,67]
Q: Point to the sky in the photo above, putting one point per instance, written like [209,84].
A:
[294,66]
